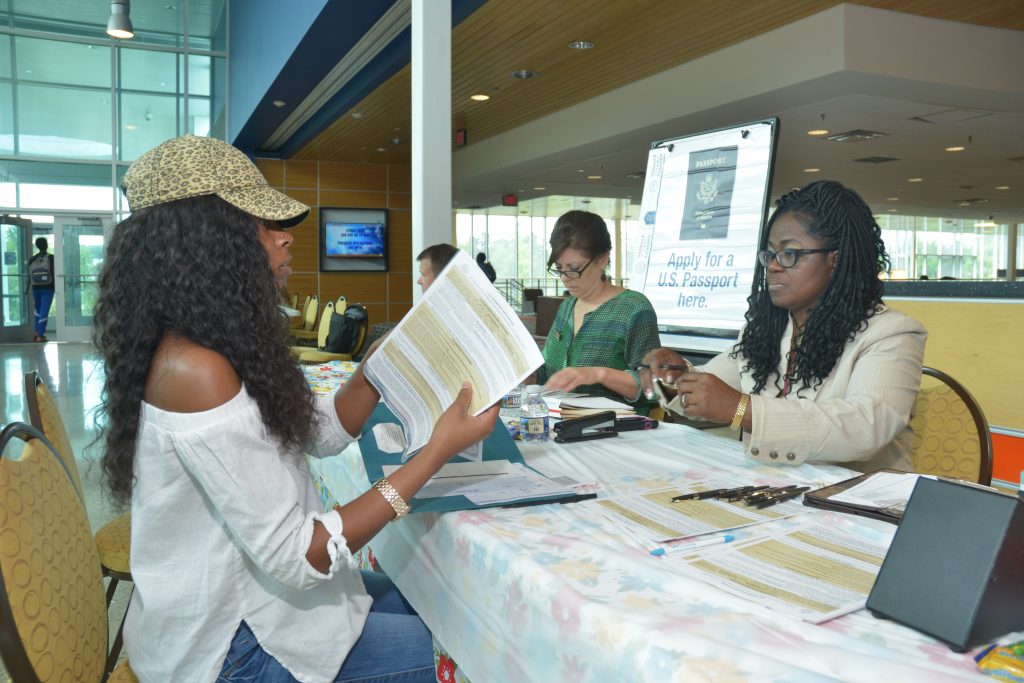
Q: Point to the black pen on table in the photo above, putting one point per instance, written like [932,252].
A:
[767,493]
[768,502]
[699,495]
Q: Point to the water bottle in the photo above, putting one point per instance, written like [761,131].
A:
[510,405]
[533,423]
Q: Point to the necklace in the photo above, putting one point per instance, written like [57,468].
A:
[794,348]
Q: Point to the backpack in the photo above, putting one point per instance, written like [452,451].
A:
[40,271]
[347,329]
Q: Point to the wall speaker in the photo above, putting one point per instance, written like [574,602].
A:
[955,569]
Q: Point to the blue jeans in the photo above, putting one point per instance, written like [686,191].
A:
[43,298]
[395,646]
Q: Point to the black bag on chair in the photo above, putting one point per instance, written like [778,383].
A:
[347,329]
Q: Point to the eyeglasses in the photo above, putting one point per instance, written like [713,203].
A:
[787,258]
[570,274]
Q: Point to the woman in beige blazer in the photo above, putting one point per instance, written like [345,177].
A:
[822,371]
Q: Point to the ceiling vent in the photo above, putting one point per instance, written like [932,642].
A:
[876,160]
[857,135]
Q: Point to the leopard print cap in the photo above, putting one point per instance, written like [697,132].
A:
[192,166]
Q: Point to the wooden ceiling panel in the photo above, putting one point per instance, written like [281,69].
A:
[633,39]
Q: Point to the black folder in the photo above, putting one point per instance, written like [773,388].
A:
[822,498]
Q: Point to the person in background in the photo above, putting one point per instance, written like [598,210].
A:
[239,572]
[601,331]
[40,271]
[823,371]
[432,261]
[485,265]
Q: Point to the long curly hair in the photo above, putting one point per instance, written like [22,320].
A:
[841,220]
[193,267]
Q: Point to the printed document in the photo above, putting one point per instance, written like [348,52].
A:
[489,482]
[816,572]
[461,330]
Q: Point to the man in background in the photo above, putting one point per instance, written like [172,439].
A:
[432,261]
[485,265]
[40,274]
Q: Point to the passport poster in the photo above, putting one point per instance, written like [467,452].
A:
[708,193]
[702,212]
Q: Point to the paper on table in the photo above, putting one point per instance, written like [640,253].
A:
[488,482]
[816,571]
[653,516]
[884,490]
[588,405]
[461,330]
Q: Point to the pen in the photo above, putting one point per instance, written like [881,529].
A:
[700,495]
[768,502]
[740,493]
[768,493]
[695,545]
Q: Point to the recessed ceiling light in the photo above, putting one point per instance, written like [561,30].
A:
[357,114]
[523,74]
[1002,187]
[539,188]
[817,131]
[279,103]
[480,97]
[593,177]
[892,199]
[811,170]
[914,180]
[892,210]
[955,148]
[581,45]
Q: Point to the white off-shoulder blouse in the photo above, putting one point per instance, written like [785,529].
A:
[221,522]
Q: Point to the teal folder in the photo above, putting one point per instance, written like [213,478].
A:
[498,446]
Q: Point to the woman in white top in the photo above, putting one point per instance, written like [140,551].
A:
[239,572]
[822,371]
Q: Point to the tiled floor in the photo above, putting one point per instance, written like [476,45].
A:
[75,376]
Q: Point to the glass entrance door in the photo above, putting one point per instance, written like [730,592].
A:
[78,252]
[15,299]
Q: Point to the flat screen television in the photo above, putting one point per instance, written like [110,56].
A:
[353,239]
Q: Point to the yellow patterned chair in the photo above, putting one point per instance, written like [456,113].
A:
[53,620]
[951,437]
[113,540]
[307,330]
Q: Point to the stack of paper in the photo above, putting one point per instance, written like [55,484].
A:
[589,405]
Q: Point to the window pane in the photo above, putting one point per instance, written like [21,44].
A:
[218,88]
[146,121]
[148,71]
[198,116]
[53,61]
[198,74]
[5,55]
[6,119]
[52,124]
[51,185]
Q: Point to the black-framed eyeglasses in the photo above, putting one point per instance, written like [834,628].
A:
[787,258]
[570,274]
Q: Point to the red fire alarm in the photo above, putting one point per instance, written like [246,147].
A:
[509,200]
[460,137]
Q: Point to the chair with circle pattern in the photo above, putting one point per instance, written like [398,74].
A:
[113,540]
[951,436]
[53,620]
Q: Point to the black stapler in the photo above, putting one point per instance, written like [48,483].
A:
[596,426]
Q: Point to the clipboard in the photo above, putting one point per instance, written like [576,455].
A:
[821,499]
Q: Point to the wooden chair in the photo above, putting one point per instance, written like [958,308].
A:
[113,540]
[951,436]
[293,301]
[307,332]
[53,620]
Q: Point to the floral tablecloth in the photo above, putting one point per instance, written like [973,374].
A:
[558,593]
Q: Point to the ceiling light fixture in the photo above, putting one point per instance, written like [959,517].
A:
[581,45]
[892,199]
[540,188]
[593,177]
[523,74]
[119,25]
[956,148]
[817,131]
[811,170]
[914,180]
[279,103]
[480,98]
[1002,187]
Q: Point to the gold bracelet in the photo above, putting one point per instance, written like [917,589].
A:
[393,498]
[741,410]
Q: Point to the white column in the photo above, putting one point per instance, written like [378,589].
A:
[431,126]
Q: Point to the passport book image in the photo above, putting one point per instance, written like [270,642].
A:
[709,183]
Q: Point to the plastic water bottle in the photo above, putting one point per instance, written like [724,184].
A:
[533,423]
[511,404]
